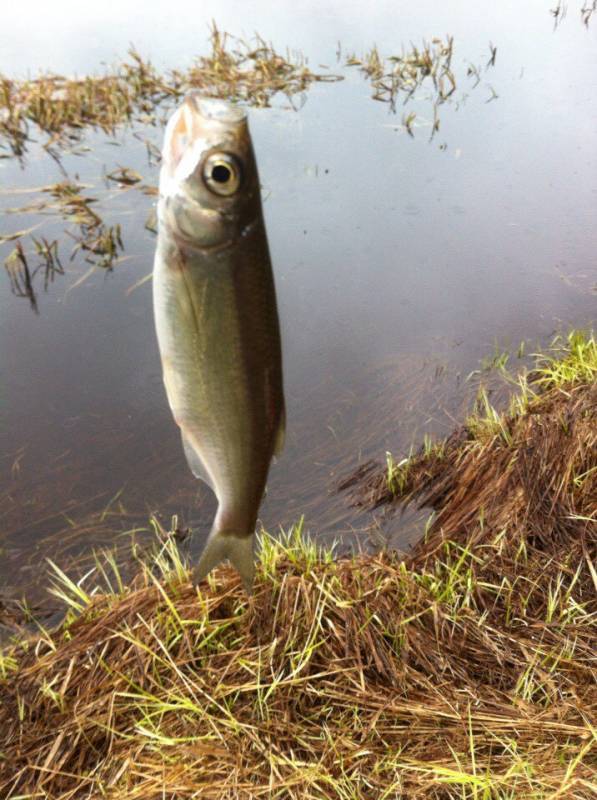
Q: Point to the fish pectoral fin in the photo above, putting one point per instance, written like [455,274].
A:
[281,433]
[194,461]
[221,546]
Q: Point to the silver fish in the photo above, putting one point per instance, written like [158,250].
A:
[216,319]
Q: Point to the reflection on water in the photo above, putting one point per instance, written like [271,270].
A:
[399,263]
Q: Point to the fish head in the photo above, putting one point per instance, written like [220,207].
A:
[209,187]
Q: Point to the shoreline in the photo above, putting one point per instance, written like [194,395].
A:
[465,669]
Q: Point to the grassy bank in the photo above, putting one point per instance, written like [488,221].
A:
[466,670]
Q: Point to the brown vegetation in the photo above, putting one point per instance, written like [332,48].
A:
[464,671]
[63,106]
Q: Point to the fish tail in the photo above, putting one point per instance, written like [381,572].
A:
[222,545]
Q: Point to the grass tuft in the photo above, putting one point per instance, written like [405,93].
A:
[463,671]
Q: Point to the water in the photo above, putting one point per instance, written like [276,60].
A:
[399,264]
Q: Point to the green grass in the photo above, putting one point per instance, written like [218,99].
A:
[573,359]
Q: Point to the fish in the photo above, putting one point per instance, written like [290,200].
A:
[216,319]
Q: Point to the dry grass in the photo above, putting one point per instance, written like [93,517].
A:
[586,11]
[100,244]
[407,72]
[465,671]
[426,68]
[21,273]
[61,107]
[249,72]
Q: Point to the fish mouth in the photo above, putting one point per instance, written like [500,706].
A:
[214,109]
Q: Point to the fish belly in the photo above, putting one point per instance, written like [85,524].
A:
[219,340]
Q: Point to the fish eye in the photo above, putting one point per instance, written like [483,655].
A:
[221,173]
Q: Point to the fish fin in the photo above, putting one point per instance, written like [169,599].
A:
[238,549]
[194,461]
[281,434]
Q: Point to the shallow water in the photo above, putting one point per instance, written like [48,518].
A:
[400,262]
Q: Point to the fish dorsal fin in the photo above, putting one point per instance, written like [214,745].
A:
[194,461]
[281,434]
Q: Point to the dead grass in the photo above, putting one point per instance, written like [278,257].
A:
[464,671]
[560,10]
[62,107]
[416,70]
[100,244]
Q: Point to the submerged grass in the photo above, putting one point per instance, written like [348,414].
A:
[250,72]
[22,275]
[100,244]
[586,11]
[428,67]
[466,670]
[405,73]
[61,107]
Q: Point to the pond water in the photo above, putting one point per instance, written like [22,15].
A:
[400,261]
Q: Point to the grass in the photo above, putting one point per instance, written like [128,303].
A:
[575,360]
[405,73]
[586,11]
[252,72]
[249,72]
[100,244]
[22,275]
[428,68]
[58,110]
[465,670]
[62,107]
[554,397]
